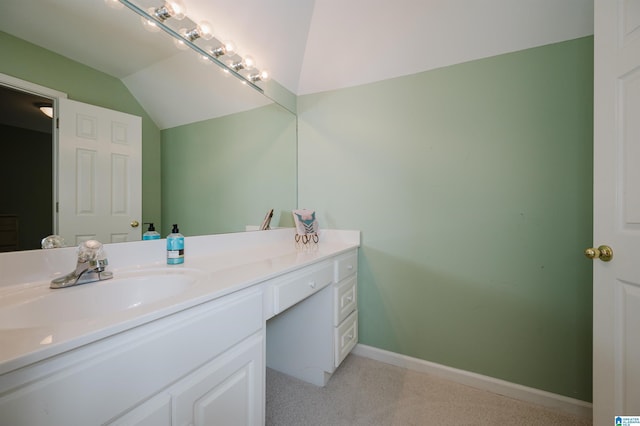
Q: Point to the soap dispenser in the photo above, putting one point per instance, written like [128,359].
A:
[151,233]
[175,246]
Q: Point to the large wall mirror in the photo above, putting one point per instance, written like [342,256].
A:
[217,154]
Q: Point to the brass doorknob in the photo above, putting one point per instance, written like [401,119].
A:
[604,253]
[135,224]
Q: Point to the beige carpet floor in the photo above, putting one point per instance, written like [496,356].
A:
[370,393]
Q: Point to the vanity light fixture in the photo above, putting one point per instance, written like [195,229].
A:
[157,18]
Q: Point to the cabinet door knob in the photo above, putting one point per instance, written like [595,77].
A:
[312,284]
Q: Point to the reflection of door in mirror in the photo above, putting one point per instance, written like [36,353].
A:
[99,174]
[26,193]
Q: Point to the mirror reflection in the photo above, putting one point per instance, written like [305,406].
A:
[216,155]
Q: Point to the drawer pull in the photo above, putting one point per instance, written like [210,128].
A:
[312,284]
[350,267]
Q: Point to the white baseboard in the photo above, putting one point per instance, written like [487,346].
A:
[512,390]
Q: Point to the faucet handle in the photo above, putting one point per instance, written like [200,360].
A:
[91,250]
[52,241]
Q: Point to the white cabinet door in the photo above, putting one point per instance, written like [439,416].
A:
[616,284]
[99,174]
[227,391]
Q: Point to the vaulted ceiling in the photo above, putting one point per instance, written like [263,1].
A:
[308,45]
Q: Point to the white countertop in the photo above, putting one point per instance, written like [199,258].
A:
[223,263]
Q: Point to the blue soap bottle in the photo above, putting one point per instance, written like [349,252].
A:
[151,233]
[175,246]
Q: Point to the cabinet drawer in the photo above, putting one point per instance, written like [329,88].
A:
[299,285]
[346,337]
[346,265]
[345,299]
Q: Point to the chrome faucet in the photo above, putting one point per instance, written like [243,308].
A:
[90,267]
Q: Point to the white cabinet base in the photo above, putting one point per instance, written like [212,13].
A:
[124,378]
[310,340]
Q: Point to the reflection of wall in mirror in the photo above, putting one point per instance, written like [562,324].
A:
[221,175]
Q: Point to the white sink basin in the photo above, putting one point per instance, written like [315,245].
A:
[41,306]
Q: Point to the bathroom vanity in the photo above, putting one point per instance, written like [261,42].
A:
[176,345]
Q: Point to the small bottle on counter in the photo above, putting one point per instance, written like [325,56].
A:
[151,233]
[175,246]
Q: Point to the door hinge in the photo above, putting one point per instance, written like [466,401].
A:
[57,207]
[58,123]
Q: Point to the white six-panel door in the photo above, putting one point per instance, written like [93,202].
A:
[99,174]
[616,292]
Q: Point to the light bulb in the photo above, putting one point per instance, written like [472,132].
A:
[248,62]
[245,63]
[179,10]
[260,76]
[227,48]
[203,30]
[171,9]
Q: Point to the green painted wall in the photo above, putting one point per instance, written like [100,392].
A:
[222,174]
[472,186]
[40,66]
